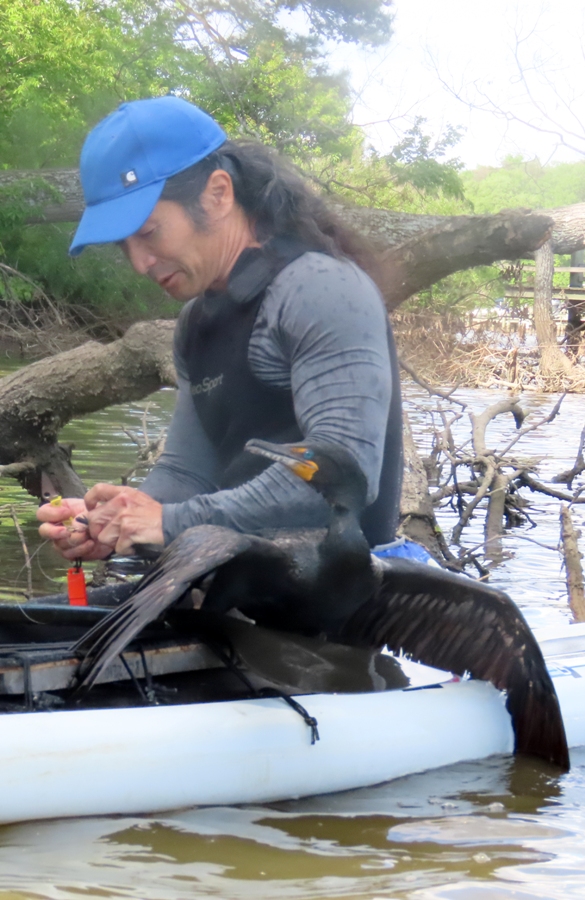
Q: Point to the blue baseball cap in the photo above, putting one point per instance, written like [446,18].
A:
[127,159]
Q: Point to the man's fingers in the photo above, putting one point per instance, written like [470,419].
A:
[125,547]
[101,493]
[64,538]
[88,550]
[72,540]
[100,518]
[110,534]
[68,508]
[83,551]
[133,526]
[52,532]
[48,513]
[111,517]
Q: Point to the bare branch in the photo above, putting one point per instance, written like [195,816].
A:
[445,395]
[24,550]
[490,471]
[517,537]
[463,487]
[579,466]
[535,485]
[552,415]
[480,422]
[573,567]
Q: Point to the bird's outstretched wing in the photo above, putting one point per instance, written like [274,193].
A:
[195,553]
[459,625]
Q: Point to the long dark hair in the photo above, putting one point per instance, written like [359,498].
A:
[275,198]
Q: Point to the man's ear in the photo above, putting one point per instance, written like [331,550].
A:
[217,198]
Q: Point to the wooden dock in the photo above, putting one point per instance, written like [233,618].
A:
[572,293]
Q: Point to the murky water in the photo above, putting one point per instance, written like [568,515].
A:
[494,829]
[103,451]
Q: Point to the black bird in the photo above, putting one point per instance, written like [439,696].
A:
[317,582]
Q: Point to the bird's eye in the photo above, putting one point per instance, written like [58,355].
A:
[304,452]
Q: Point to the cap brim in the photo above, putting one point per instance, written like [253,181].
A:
[115,220]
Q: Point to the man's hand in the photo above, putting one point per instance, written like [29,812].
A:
[117,518]
[70,538]
[121,516]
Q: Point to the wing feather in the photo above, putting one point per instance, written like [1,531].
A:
[192,555]
[453,623]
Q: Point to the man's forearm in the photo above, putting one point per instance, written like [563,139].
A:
[274,499]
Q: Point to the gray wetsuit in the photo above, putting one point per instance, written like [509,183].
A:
[321,332]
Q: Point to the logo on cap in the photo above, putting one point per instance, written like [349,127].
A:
[129,178]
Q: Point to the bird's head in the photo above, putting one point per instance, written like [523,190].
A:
[329,468]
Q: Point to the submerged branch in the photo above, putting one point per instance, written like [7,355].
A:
[568,476]
[573,567]
[433,391]
[528,481]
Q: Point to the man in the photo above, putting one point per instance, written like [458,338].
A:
[286,336]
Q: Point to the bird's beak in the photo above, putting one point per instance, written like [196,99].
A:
[289,455]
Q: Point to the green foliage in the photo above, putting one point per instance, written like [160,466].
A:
[416,162]
[413,177]
[470,289]
[225,27]
[368,22]
[283,100]
[44,78]
[64,64]
[517,183]
[100,280]
[525,183]
[16,203]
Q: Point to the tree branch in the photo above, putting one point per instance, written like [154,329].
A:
[416,251]
[37,401]
[480,422]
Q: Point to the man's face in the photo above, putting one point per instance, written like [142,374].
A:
[172,251]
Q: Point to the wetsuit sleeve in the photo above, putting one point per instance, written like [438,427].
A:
[322,332]
[331,330]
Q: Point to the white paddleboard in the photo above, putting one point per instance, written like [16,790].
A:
[98,762]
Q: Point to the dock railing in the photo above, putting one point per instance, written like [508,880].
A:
[515,313]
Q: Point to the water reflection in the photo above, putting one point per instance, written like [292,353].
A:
[472,827]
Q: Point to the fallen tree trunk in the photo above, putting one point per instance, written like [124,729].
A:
[415,251]
[417,516]
[386,227]
[37,401]
[60,201]
[459,243]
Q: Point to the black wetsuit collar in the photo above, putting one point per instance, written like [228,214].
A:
[256,267]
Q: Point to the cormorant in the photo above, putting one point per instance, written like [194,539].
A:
[328,583]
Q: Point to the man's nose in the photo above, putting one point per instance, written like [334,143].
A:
[141,258]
